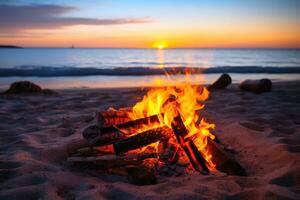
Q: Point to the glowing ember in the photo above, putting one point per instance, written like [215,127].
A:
[185,99]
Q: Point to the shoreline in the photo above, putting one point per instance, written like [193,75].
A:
[135,81]
[231,86]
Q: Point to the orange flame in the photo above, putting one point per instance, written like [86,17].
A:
[185,99]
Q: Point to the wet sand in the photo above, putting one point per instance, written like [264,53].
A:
[263,130]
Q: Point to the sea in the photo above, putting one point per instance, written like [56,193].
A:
[69,68]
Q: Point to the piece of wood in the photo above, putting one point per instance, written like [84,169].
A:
[167,151]
[137,125]
[97,135]
[222,82]
[74,144]
[257,86]
[223,161]
[86,151]
[110,158]
[194,155]
[113,117]
[142,139]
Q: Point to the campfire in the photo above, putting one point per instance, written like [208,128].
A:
[164,129]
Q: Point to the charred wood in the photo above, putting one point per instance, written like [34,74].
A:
[113,117]
[110,158]
[142,139]
[194,155]
[97,135]
[224,162]
[168,151]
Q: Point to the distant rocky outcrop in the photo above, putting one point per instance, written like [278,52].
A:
[22,87]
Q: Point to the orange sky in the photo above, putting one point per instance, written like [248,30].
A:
[236,38]
[218,29]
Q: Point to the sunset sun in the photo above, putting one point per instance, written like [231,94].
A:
[160,45]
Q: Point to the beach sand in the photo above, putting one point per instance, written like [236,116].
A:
[263,130]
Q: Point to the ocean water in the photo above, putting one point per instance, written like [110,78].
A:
[76,68]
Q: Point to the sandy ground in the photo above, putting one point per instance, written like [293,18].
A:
[264,131]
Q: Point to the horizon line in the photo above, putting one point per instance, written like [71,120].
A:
[74,47]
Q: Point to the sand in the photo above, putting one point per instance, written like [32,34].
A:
[262,130]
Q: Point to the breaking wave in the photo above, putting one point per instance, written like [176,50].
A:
[49,71]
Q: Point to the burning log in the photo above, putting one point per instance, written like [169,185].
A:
[142,139]
[223,162]
[113,117]
[222,82]
[194,155]
[96,135]
[134,125]
[103,158]
[168,151]
[257,86]
[109,161]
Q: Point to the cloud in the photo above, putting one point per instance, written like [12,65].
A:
[18,18]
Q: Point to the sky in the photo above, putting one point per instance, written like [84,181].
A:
[151,23]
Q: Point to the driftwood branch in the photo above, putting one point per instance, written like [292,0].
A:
[222,82]
[257,86]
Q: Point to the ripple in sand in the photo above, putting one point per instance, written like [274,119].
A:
[253,126]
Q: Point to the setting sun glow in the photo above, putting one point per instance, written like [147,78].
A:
[160,45]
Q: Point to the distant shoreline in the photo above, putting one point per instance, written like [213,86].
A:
[150,48]
[10,47]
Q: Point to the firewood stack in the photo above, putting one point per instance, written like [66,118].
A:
[142,148]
